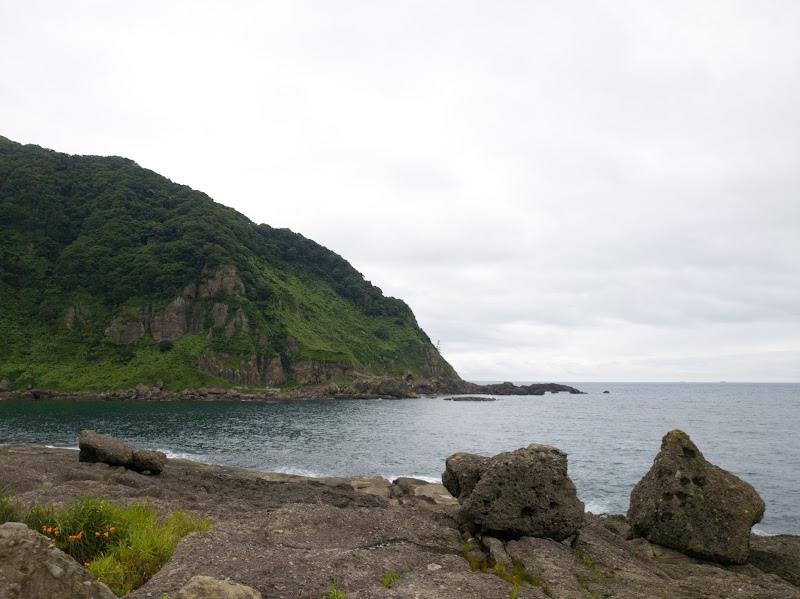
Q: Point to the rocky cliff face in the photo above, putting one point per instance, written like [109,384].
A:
[182,315]
[190,314]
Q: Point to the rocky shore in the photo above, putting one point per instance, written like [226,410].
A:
[285,536]
[362,388]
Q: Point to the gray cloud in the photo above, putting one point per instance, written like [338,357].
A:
[564,191]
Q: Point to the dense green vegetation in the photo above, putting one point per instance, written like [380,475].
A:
[121,546]
[86,239]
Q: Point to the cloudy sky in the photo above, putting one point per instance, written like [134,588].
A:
[561,191]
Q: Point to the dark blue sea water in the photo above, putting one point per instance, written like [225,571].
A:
[611,439]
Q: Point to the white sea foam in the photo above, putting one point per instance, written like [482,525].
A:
[597,507]
[428,479]
[760,533]
[299,472]
[181,455]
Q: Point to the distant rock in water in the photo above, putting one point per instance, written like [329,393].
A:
[95,447]
[469,398]
[607,392]
[526,492]
[688,504]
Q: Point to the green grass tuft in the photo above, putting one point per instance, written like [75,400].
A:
[333,592]
[389,578]
[121,546]
[518,576]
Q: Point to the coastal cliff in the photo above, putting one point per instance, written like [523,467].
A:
[114,278]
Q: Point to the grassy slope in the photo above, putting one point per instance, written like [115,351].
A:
[112,237]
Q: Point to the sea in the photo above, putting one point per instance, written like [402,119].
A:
[750,429]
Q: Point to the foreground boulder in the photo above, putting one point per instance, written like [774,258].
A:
[102,448]
[206,587]
[31,566]
[526,492]
[288,536]
[695,507]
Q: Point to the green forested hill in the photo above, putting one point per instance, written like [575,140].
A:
[112,275]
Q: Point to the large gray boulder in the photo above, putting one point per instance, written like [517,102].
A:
[690,505]
[31,566]
[526,492]
[95,447]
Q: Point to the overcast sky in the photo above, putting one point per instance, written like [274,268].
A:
[561,191]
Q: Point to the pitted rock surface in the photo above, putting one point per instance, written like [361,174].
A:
[686,503]
[526,492]
[32,567]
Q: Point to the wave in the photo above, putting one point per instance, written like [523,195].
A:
[597,507]
[182,455]
[761,533]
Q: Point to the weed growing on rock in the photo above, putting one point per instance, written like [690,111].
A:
[333,592]
[589,562]
[517,575]
[389,578]
[121,546]
[10,509]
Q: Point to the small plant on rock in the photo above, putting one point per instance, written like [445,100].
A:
[333,592]
[389,578]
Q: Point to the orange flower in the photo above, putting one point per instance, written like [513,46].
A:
[105,534]
[49,530]
[112,529]
[44,527]
[97,534]
[86,564]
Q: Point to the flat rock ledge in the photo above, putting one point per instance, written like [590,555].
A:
[291,537]
[469,398]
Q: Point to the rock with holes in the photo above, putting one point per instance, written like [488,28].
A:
[526,492]
[688,504]
[31,566]
[461,473]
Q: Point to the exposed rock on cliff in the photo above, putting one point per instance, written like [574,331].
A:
[686,503]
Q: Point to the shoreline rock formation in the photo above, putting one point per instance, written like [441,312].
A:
[520,493]
[688,504]
[95,447]
[287,536]
[362,388]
